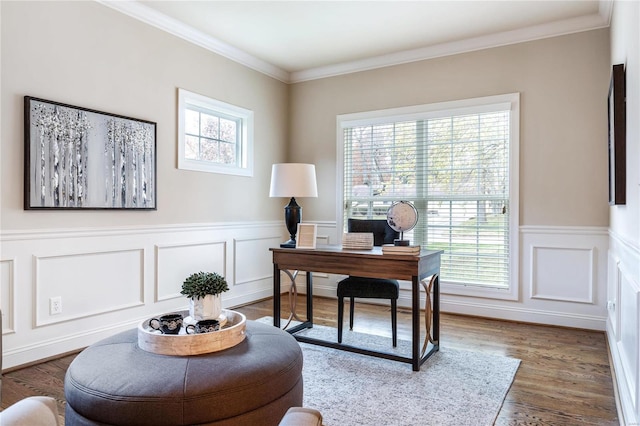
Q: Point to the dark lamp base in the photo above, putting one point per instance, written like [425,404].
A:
[401,243]
[289,244]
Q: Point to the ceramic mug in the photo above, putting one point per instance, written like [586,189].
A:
[203,326]
[167,324]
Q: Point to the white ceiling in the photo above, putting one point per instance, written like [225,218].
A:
[302,40]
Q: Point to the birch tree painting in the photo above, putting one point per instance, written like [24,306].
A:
[80,158]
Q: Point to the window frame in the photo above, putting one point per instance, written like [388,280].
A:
[509,102]
[244,160]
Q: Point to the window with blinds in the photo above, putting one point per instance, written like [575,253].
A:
[454,166]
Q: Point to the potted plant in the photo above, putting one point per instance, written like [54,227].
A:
[204,290]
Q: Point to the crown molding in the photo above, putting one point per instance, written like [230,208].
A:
[605,10]
[159,20]
[537,32]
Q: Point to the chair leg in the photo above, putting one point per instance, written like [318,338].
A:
[340,318]
[351,306]
[394,322]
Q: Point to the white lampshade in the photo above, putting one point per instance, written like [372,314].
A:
[293,180]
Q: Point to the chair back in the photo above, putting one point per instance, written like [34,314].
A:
[382,232]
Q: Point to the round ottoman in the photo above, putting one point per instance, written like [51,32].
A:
[114,382]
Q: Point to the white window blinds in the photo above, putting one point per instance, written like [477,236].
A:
[454,167]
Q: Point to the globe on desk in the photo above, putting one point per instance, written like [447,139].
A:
[402,216]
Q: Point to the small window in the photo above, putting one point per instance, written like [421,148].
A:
[214,136]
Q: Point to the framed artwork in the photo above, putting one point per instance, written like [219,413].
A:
[78,158]
[617,136]
[307,233]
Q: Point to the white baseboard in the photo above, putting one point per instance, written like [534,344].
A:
[521,314]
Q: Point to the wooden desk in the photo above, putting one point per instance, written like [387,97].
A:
[373,264]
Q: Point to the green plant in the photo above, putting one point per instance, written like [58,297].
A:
[198,285]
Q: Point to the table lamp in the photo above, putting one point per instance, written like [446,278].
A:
[293,180]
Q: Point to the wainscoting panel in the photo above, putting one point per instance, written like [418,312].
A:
[628,343]
[613,294]
[623,325]
[253,260]
[7,290]
[564,274]
[87,284]
[323,239]
[109,280]
[176,262]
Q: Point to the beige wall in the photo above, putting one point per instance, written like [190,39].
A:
[563,83]
[86,54]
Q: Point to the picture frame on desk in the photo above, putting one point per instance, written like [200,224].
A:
[307,233]
[617,121]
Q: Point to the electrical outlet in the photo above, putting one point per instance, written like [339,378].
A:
[55,305]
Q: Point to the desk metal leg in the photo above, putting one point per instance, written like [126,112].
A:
[293,298]
[415,323]
[431,313]
[310,298]
[436,310]
[276,296]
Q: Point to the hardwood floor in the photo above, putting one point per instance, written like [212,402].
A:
[564,377]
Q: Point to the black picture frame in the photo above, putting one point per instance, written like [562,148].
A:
[82,159]
[616,104]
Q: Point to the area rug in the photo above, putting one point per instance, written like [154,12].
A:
[453,387]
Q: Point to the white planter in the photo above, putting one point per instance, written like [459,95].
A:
[208,308]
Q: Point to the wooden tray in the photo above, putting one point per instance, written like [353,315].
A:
[231,333]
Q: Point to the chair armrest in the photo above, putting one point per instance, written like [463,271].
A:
[32,411]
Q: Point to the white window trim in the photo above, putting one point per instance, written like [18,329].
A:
[246,169]
[509,101]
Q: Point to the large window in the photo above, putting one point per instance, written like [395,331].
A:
[457,163]
[214,136]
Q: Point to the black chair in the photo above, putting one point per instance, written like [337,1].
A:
[369,288]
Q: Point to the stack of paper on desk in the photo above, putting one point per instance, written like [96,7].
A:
[357,240]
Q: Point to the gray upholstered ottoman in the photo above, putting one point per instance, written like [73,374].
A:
[114,382]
